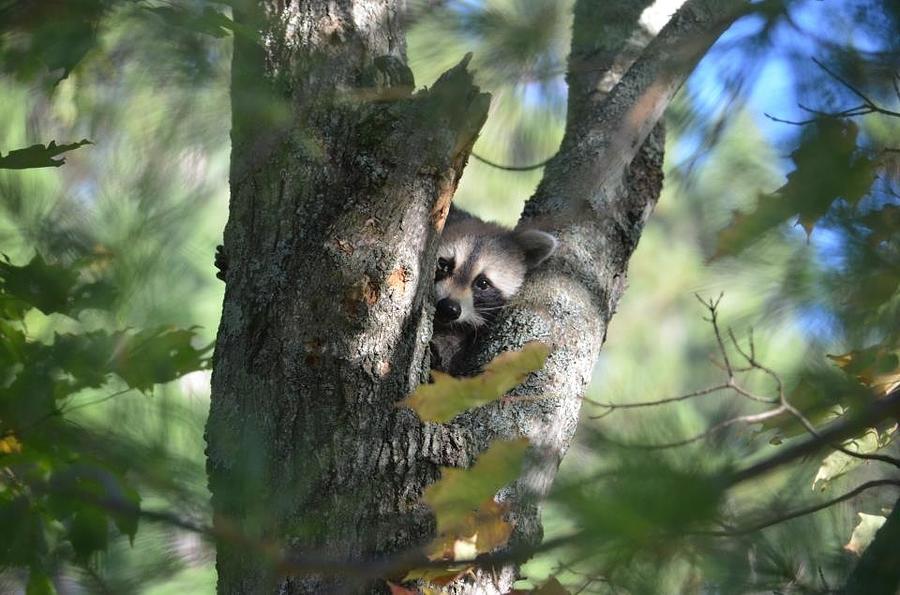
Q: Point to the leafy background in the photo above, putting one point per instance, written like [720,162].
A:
[136,216]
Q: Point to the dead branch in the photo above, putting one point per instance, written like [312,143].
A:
[784,406]
[868,105]
[753,528]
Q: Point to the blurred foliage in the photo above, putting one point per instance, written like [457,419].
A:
[107,258]
[58,492]
[827,167]
[110,251]
[470,522]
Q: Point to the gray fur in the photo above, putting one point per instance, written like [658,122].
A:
[478,248]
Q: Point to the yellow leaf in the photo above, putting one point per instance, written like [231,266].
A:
[464,547]
[459,492]
[877,367]
[493,530]
[446,397]
[479,532]
[10,445]
[864,532]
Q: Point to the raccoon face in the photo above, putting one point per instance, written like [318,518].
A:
[480,267]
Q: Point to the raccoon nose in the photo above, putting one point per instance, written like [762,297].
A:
[447,310]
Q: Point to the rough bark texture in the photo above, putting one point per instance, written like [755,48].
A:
[337,196]
[604,32]
[596,194]
[335,210]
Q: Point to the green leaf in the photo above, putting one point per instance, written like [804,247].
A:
[13,349]
[51,36]
[155,356]
[22,528]
[461,491]
[864,532]
[37,156]
[37,284]
[884,224]
[142,359]
[208,22]
[828,167]
[39,584]
[447,396]
[51,288]
[126,519]
[88,532]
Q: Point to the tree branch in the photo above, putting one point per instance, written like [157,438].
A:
[592,162]
[605,42]
[784,406]
[845,427]
[753,528]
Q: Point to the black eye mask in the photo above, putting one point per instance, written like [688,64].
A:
[487,302]
[444,269]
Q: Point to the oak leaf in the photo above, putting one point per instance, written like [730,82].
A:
[864,532]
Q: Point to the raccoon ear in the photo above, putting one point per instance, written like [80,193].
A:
[537,245]
[456,215]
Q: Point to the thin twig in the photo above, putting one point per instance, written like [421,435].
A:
[96,401]
[845,427]
[753,362]
[790,408]
[713,307]
[738,531]
[746,419]
[684,397]
[836,446]
[853,89]
[511,167]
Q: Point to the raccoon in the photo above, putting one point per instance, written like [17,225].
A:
[480,268]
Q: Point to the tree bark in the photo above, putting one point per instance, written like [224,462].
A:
[340,182]
[596,194]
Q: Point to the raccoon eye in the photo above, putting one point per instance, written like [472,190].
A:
[444,269]
[481,282]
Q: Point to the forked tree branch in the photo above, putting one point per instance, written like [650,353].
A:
[595,155]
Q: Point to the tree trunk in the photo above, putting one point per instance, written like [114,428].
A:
[340,182]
